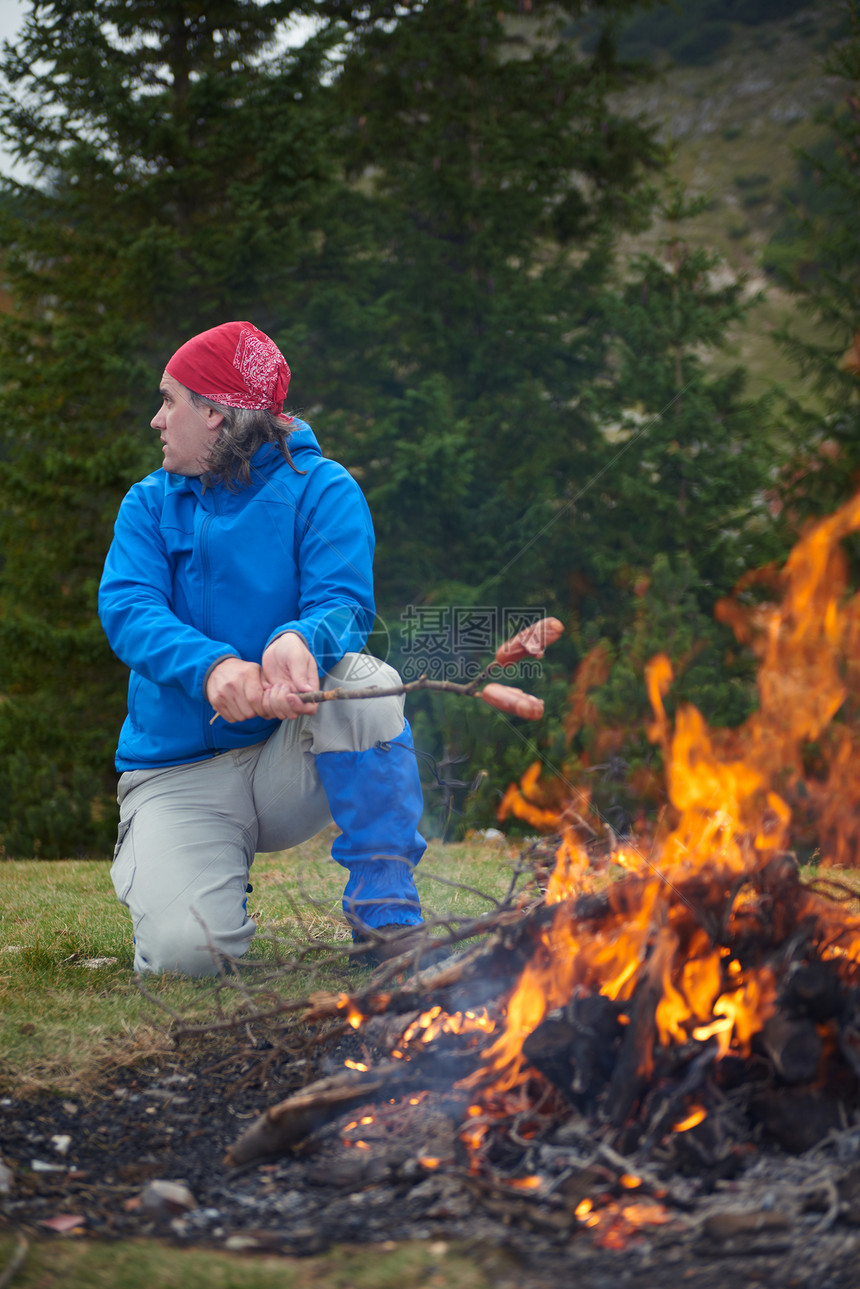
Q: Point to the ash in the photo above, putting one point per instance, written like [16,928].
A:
[396,1171]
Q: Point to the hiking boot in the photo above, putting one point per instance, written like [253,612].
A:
[397,940]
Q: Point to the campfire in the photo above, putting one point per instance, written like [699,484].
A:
[642,1063]
[680,998]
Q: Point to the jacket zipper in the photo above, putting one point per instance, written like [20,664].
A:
[208,736]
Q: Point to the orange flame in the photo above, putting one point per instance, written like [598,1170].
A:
[696,1116]
[733,797]
[432,1023]
[736,799]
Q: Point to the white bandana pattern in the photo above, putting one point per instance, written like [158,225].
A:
[258,360]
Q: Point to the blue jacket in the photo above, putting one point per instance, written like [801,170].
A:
[195,575]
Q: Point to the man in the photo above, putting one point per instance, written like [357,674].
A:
[239,574]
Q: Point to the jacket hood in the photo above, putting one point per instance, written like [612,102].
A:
[301,439]
[302,443]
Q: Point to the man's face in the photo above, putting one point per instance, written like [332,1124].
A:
[187,432]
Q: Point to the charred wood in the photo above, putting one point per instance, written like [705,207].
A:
[813,989]
[793,1046]
[669,1099]
[635,1059]
[576,1047]
[796,1120]
[284,1126]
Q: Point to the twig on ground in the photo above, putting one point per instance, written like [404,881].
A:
[652,1183]
[16,1262]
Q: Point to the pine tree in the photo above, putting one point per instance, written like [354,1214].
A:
[175,160]
[453,336]
[818,258]
[679,514]
[450,336]
[694,457]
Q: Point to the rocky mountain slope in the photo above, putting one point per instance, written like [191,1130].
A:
[736,125]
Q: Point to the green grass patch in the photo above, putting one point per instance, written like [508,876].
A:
[70,1009]
[81,1264]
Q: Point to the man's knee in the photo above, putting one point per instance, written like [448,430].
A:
[187,946]
[361,671]
[357,724]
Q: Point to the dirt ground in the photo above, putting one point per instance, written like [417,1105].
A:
[771,1219]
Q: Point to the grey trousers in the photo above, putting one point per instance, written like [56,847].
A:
[188,834]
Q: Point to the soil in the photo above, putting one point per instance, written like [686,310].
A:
[764,1217]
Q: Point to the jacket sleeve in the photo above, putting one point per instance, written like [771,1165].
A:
[334,555]
[135,606]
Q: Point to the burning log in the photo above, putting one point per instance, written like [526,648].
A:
[602,1053]
[576,1047]
[635,1061]
[287,1124]
[793,1046]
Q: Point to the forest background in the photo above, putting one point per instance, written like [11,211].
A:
[521,302]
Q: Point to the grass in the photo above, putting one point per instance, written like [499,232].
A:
[85,1264]
[69,1006]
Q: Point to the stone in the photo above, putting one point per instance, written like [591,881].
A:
[163,1198]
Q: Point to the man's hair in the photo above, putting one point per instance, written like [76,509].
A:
[242,432]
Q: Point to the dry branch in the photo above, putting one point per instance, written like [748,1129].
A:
[288,1123]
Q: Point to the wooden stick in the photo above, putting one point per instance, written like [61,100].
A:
[528,643]
[285,1125]
[22,1248]
[390,691]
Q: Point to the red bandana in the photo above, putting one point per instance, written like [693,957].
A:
[234,364]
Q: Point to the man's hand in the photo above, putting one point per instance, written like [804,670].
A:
[289,669]
[235,689]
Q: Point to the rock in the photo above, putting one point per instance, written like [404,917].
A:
[162,1198]
[245,1241]
[7,1180]
[63,1223]
[240,1243]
